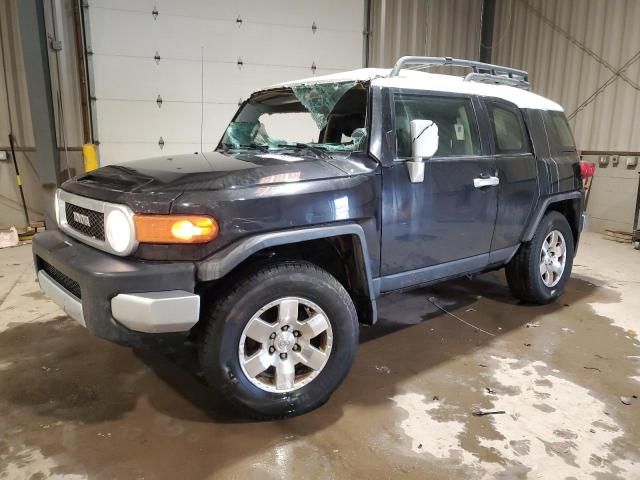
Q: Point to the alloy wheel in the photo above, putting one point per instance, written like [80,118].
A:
[285,345]
[553,258]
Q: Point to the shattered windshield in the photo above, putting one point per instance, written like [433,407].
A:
[327,117]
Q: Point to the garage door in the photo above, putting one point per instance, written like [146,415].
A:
[146,61]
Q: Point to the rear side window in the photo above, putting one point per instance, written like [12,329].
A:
[454,116]
[560,132]
[508,130]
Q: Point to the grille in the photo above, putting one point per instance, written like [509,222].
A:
[67,283]
[95,227]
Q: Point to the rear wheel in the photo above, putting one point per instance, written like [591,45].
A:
[539,271]
[281,341]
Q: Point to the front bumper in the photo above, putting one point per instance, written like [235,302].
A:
[123,300]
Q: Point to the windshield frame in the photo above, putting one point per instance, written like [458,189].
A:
[288,90]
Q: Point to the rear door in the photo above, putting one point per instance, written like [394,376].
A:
[443,225]
[516,168]
[562,148]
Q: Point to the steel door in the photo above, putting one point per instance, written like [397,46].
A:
[448,219]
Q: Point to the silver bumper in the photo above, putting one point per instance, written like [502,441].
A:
[67,302]
[585,222]
[153,312]
[157,312]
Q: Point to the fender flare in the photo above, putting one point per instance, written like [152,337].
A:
[223,261]
[542,208]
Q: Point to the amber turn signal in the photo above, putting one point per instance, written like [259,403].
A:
[175,228]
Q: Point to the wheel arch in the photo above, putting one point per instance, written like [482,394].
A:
[339,249]
[568,204]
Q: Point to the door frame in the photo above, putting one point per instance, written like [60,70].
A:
[504,251]
[453,268]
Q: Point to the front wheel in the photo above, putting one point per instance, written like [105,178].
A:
[281,341]
[539,271]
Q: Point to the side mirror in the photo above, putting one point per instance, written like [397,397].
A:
[424,145]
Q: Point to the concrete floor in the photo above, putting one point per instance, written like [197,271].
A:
[73,406]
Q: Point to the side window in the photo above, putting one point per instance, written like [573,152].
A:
[508,130]
[454,117]
[560,136]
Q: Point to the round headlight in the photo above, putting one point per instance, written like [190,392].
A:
[118,231]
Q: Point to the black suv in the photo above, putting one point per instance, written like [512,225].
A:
[322,195]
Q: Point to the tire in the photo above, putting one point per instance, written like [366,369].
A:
[524,271]
[228,341]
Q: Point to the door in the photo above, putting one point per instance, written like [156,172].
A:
[442,226]
[516,167]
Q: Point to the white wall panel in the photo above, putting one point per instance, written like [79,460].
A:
[134,151]
[274,40]
[330,14]
[180,122]
[180,80]
[612,197]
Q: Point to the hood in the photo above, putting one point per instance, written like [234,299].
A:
[163,179]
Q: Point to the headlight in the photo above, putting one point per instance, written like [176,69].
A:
[119,231]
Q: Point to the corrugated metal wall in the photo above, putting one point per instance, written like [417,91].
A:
[424,27]
[66,94]
[584,54]
[572,49]
[17,103]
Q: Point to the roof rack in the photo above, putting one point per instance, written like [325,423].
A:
[482,72]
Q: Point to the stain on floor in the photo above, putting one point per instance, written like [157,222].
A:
[73,406]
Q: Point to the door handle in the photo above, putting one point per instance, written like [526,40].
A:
[486,182]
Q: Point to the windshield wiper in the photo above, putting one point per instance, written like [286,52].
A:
[319,151]
[251,146]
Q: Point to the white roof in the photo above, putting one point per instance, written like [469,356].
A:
[417,80]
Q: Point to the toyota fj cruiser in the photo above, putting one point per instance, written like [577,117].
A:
[322,195]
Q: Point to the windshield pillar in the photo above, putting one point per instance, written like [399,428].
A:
[382,145]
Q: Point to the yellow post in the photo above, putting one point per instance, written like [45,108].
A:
[90,157]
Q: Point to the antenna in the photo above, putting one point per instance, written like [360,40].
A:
[201,94]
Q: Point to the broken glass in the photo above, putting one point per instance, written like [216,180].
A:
[320,98]
[327,117]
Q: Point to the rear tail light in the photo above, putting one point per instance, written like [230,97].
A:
[587,169]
